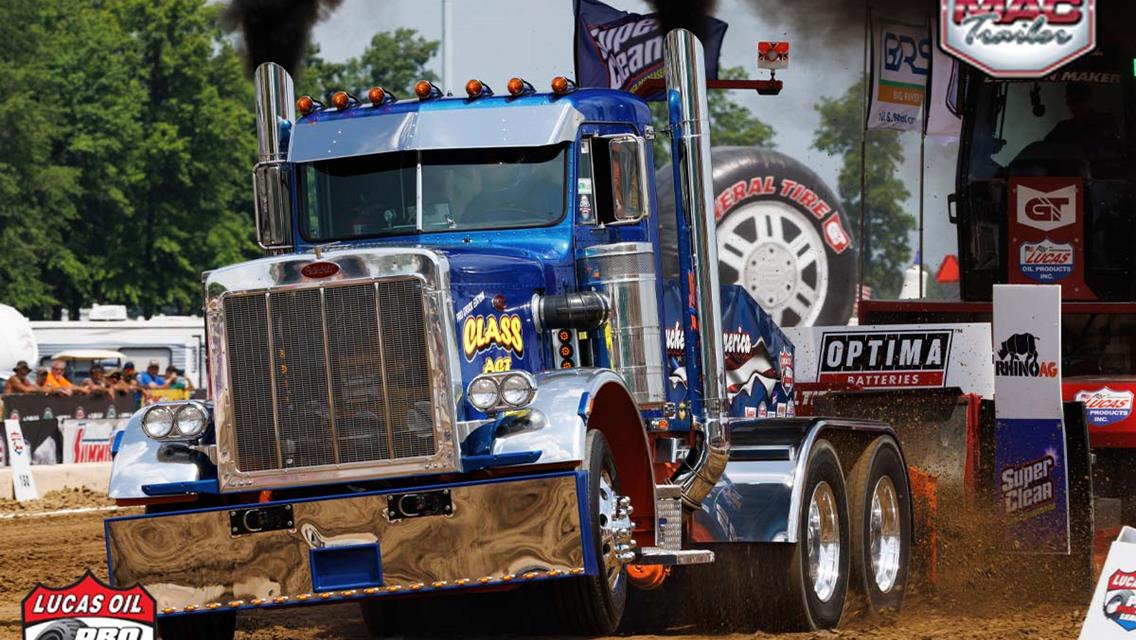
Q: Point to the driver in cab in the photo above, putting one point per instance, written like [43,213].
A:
[513,194]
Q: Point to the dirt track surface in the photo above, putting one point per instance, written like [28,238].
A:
[57,549]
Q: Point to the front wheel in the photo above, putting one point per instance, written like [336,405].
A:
[881,524]
[593,605]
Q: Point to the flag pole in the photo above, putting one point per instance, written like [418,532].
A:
[865,247]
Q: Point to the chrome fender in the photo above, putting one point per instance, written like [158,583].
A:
[141,461]
[758,498]
[557,419]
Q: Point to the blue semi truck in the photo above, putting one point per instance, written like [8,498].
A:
[465,365]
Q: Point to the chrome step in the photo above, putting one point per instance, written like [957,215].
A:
[655,555]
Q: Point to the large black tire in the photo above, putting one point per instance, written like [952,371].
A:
[880,467]
[804,609]
[782,235]
[589,605]
[216,626]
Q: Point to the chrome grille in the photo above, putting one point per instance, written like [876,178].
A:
[329,375]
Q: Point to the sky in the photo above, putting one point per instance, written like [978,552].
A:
[496,39]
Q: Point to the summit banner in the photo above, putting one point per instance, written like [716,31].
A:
[621,50]
[1016,39]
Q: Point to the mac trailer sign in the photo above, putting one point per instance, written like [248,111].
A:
[1018,38]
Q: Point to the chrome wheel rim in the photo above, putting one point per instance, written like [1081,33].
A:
[884,534]
[823,542]
[778,257]
[615,531]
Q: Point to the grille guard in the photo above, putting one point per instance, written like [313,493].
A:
[282,274]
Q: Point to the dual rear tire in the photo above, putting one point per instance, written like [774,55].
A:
[853,537]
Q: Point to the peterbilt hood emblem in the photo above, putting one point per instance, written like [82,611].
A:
[319,269]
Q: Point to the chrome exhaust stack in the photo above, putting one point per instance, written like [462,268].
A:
[275,116]
[275,106]
[685,66]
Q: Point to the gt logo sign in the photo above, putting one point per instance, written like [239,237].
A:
[1018,38]
[1046,211]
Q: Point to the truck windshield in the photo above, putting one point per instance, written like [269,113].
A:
[449,190]
[1078,119]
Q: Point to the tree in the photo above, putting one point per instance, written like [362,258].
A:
[393,60]
[886,247]
[731,124]
[127,186]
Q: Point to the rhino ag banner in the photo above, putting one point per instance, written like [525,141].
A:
[901,67]
[621,50]
[923,356]
[1030,459]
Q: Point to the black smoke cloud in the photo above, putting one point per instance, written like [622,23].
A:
[834,23]
[276,30]
[692,15]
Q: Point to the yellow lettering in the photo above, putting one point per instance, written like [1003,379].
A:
[482,332]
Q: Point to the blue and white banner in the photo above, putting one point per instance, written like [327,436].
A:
[620,50]
[1030,460]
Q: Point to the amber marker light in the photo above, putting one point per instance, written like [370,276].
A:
[518,87]
[476,89]
[377,96]
[425,90]
[340,100]
[562,85]
[305,105]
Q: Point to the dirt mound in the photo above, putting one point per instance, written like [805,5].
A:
[73,498]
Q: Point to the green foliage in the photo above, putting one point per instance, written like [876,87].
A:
[393,60]
[886,245]
[128,137]
[731,124]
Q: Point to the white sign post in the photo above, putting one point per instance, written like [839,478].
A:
[20,461]
[1031,464]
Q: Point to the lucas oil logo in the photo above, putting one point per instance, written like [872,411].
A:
[482,332]
[1046,261]
[1105,406]
[885,359]
[1120,599]
[1028,488]
[88,610]
[1047,210]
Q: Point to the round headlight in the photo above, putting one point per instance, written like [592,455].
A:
[517,390]
[190,420]
[483,393]
[158,422]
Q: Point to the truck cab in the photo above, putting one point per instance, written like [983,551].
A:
[459,368]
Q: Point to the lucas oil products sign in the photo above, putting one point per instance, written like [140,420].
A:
[1046,243]
[1030,460]
[896,356]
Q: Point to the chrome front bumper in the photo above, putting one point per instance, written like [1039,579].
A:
[495,532]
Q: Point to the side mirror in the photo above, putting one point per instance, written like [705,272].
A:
[273,206]
[621,162]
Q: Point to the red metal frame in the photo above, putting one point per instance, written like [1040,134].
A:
[769,87]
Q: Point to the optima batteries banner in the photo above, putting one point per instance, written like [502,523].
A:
[923,356]
[621,50]
[1031,474]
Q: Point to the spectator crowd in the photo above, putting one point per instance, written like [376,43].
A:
[128,380]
